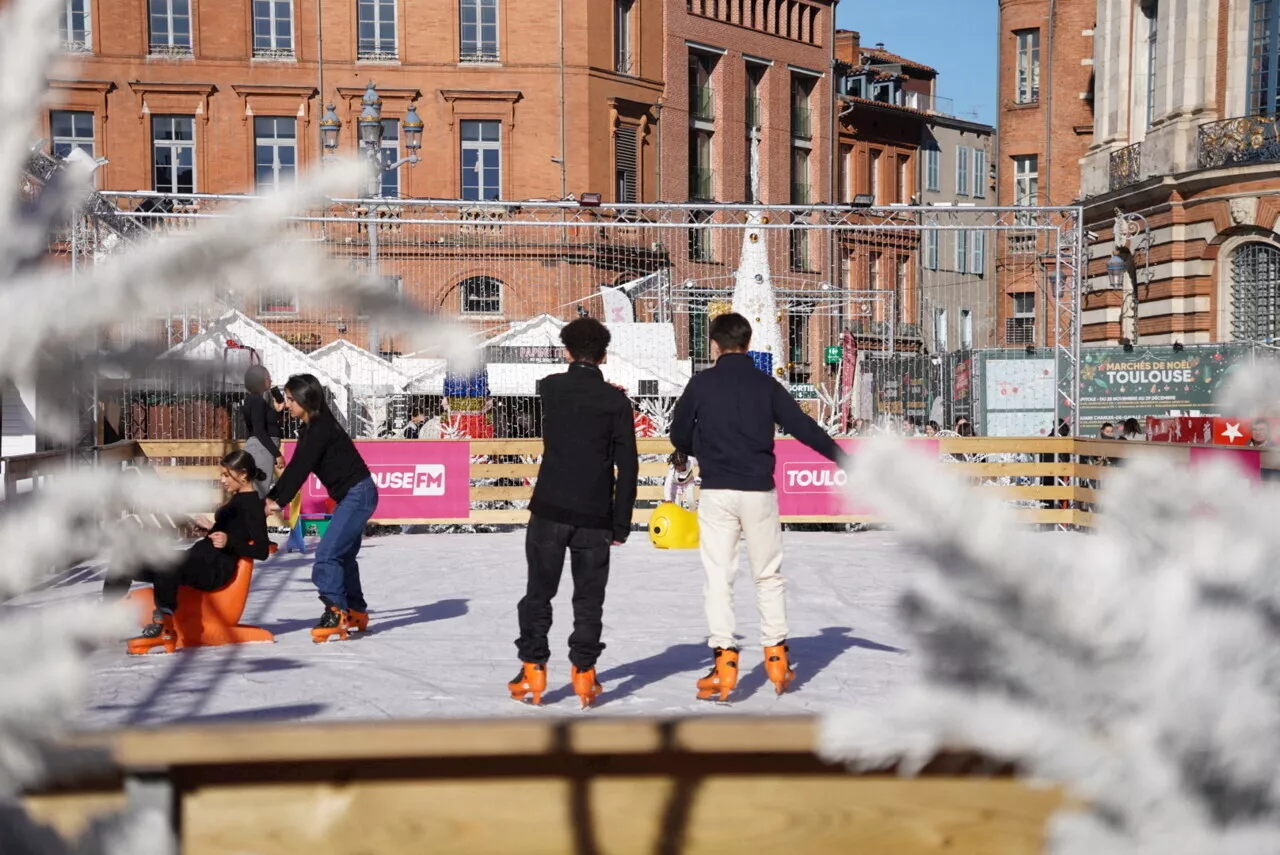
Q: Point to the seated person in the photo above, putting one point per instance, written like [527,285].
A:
[678,488]
[238,530]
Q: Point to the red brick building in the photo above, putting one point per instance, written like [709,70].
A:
[1045,128]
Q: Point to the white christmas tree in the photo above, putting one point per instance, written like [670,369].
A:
[1139,667]
[753,294]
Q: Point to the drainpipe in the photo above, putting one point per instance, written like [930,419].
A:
[1048,107]
[833,154]
[657,169]
[563,184]
[319,66]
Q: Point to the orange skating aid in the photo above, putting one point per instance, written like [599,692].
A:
[332,625]
[585,685]
[529,684]
[158,633]
[357,621]
[722,678]
[778,667]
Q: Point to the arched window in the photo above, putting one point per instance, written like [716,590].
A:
[481,295]
[1255,292]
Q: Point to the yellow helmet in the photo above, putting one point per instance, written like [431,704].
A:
[672,527]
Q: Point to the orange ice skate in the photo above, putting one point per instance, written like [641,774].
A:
[357,621]
[778,667]
[529,684]
[585,685]
[722,678]
[332,625]
[158,633]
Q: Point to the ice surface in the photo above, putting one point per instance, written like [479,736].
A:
[444,622]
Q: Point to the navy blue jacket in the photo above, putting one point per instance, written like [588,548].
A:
[726,419]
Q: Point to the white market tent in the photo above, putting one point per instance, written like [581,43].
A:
[359,369]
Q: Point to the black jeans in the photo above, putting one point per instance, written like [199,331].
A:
[544,546]
[202,568]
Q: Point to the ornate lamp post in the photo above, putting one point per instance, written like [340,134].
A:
[1132,236]
[369,126]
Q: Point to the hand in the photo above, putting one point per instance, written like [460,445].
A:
[272,506]
[617,543]
[218,539]
[279,463]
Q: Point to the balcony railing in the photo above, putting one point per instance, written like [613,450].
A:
[178,51]
[701,185]
[1126,166]
[478,55]
[378,53]
[753,112]
[78,44]
[274,53]
[702,102]
[801,123]
[1248,139]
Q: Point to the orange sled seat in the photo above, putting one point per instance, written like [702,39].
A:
[208,618]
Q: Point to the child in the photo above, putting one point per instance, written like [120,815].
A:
[261,414]
[239,530]
[578,505]
[325,449]
[678,488]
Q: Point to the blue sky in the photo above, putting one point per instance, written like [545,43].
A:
[957,37]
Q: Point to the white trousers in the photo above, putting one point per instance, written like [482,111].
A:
[723,517]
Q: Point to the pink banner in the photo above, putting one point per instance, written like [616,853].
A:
[809,485]
[1245,461]
[417,480]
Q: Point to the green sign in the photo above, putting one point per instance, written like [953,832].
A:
[804,391]
[833,355]
[1150,381]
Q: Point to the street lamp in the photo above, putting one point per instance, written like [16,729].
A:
[330,127]
[1131,235]
[1116,269]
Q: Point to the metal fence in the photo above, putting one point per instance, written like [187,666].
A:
[866,302]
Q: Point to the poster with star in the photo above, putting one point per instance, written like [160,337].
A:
[1152,381]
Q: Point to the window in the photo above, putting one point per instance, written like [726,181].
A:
[939,330]
[931,249]
[173,154]
[966,329]
[1026,184]
[1021,328]
[273,29]
[481,295]
[699,341]
[481,161]
[275,151]
[1264,75]
[277,303]
[799,240]
[1028,80]
[874,173]
[71,130]
[376,24]
[962,170]
[755,79]
[900,288]
[962,251]
[624,164]
[873,272]
[979,173]
[701,183]
[390,154]
[801,118]
[701,96]
[800,192]
[700,246]
[1255,292]
[1152,11]
[846,178]
[479,36]
[622,35]
[932,168]
[798,335]
[902,181]
[73,26]
[171,27]
[977,252]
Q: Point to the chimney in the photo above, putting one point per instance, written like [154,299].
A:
[879,45]
[848,46]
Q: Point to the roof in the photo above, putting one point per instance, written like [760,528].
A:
[359,368]
[884,105]
[878,55]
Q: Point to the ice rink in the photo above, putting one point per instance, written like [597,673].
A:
[444,621]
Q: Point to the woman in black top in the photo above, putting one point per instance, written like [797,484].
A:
[262,425]
[239,530]
[325,449]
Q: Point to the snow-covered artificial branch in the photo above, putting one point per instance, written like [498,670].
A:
[1139,667]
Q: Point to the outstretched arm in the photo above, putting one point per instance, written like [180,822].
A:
[627,460]
[795,421]
[305,457]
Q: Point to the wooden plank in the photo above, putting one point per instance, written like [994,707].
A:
[1012,470]
[70,813]
[644,493]
[1005,445]
[189,447]
[530,470]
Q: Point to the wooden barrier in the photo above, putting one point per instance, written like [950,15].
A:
[31,467]
[600,785]
[1052,481]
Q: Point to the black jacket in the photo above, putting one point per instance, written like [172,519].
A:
[588,428]
[325,449]
[244,520]
[261,420]
[726,418]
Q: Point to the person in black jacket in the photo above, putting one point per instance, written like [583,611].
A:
[726,419]
[239,530]
[262,425]
[588,428]
[325,449]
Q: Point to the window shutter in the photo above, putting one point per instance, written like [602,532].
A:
[979,173]
[624,158]
[962,250]
[978,251]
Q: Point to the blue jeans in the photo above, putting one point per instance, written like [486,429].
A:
[336,573]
